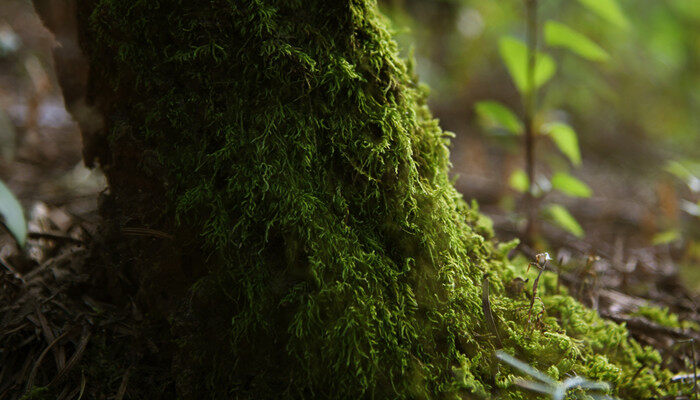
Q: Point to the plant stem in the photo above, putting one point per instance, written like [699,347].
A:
[530,102]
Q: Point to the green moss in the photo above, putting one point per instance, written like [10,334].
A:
[659,315]
[339,261]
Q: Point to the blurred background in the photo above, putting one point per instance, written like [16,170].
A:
[634,112]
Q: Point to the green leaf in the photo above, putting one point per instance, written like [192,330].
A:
[561,217]
[678,170]
[667,237]
[566,140]
[560,35]
[609,10]
[519,181]
[496,115]
[683,173]
[515,55]
[13,215]
[570,185]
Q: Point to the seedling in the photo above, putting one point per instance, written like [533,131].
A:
[544,384]
[530,69]
[540,263]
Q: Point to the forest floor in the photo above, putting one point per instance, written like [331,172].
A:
[613,269]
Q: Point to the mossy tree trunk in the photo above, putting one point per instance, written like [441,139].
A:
[315,245]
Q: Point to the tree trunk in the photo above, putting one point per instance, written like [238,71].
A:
[302,236]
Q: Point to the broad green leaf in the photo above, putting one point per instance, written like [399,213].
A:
[561,217]
[609,10]
[496,115]
[560,35]
[12,214]
[667,237]
[519,181]
[570,185]
[566,140]
[515,55]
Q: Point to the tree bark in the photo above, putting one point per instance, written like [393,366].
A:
[305,238]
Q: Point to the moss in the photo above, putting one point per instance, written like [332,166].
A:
[335,258]
[659,315]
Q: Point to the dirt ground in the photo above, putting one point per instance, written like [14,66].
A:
[614,269]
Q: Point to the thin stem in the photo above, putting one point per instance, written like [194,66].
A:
[530,103]
[695,370]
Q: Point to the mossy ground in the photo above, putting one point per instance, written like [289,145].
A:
[334,257]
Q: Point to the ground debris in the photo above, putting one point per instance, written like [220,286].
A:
[46,321]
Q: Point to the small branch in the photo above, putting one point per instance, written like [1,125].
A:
[147,232]
[488,313]
[644,325]
[53,236]
[534,294]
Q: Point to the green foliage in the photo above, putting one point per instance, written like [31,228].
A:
[560,216]
[495,115]
[557,34]
[515,56]
[12,215]
[685,172]
[609,10]
[297,152]
[519,181]
[666,237]
[661,316]
[570,185]
[566,140]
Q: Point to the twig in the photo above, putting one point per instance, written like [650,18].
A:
[37,363]
[541,264]
[695,371]
[83,382]
[534,295]
[59,356]
[642,324]
[84,339]
[54,236]
[147,232]
[486,306]
[122,386]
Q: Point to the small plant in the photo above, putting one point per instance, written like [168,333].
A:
[544,384]
[541,264]
[530,69]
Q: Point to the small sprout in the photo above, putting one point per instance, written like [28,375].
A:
[541,263]
[544,384]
